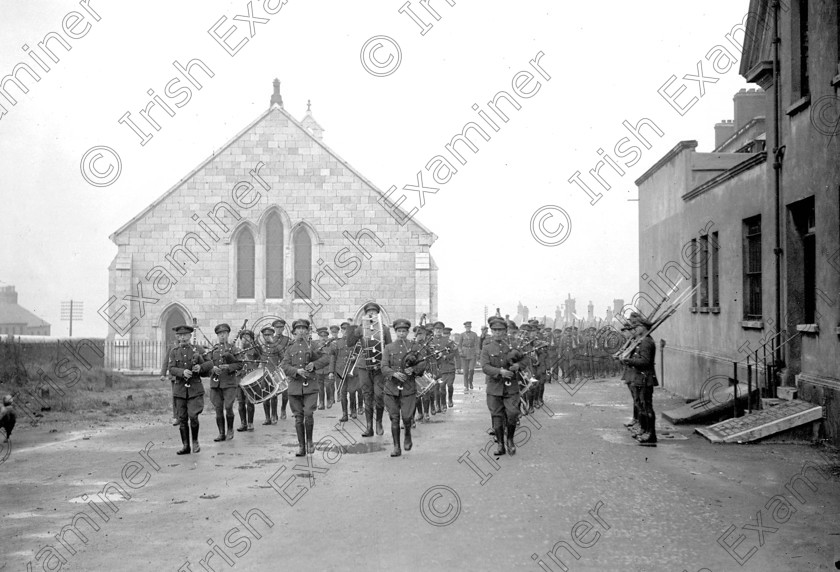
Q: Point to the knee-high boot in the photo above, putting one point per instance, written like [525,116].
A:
[309,424]
[500,437]
[243,417]
[230,419]
[185,440]
[301,436]
[511,446]
[343,409]
[408,443]
[267,411]
[194,423]
[379,429]
[395,435]
[369,417]
[220,423]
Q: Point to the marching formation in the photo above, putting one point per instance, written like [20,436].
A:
[368,372]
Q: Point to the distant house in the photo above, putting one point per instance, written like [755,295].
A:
[17,320]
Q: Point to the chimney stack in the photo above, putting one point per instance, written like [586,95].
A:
[749,104]
[276,97]
[723,131]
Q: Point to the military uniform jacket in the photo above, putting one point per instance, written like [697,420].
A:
[468,346]
[251,354]
[339,360]
[223,355]
[446,362]
[639,370]
[493,359]
[357,335]
[541,357]
[298,355]
[274,352]
[392,359]
[328,348]
[184,358]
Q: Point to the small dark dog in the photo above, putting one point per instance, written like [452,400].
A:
[8,417]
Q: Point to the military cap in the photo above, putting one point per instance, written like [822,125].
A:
[418,329]
[300,323]
[447,331]
[345,324]
[183,329]
[279,323]
[222,328]
[244,333]
[498,324]
[267,330]
[334,328]
[557,330]
[401,324]
[323,330]
[468,323]
[512,325]
[483,327]
[439,325]
[371,306]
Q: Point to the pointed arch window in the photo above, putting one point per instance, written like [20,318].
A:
[245,265]
[274,257]
[303,262]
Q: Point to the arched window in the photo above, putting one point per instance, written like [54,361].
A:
[273,257]
[303,262]
[245,265]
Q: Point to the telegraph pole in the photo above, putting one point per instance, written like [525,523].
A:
[72,310]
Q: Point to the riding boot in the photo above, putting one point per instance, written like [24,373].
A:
[379,429]
[511,446]
[301,435]
[195,446]
[185,441]
[451,390]
[283,403]
[500,439]
[343,411]
[251,410]
[408,442]
[230,419]
[220,423]
[267,411]
[243,417]
[395,435]
[309,426]
[330,386]
[369,431]
[352,399]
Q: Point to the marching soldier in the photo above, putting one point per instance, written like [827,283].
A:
[349,384]
[368,366]
[223,382]
[299,364]
[186,363]
[324,375]
[425,405]
[283,342]
[251,353]
[446,364]
[271,351]
[400,388]
[640,375]
[502,387]
[468,348]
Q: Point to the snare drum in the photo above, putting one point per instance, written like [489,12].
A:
[424,383]
[263,384]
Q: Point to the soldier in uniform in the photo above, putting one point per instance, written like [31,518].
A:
[502,387]
[425,405]
[640,375]
[325,376]
[400,388]
[250,353]
[283,342]
[368,366]
[349,384]
[187,362]
[223,382]
[447,368]
[299,363]
[468,349]
[271,352]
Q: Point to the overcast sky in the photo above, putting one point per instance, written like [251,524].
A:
[606,61]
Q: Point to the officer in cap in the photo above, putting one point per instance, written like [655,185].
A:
[186,363]
[640,375]
[369,368]
[502,387]
[468,348]
[326,389]
[299,364]
[400,366]
[223,382]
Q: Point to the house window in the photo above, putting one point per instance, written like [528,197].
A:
[274,257]
[704,271]
[715,261]
[694,273]
[245,265]
[303,262]
[805,253]
[752,268]
[799,53]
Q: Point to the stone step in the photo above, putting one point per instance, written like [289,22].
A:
[719,402]
[757,425]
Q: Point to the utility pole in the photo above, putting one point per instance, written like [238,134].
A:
[72,310]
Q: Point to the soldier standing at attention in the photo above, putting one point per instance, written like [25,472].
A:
[502,387]
[468,348]
[299,364]
[186,363]
[223,382]
[640,374]
[251,354]
[400,388]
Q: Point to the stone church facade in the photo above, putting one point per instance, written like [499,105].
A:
[275,224]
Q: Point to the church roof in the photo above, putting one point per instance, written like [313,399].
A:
[274,108]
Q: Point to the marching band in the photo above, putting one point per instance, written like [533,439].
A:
[363,369]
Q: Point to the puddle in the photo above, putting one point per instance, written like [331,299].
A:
[23,515]
[362,448]
[111,496]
